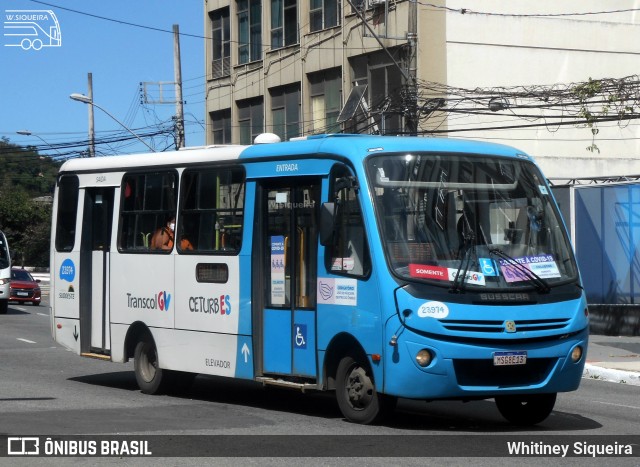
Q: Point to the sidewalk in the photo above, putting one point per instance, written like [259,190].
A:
[613,358]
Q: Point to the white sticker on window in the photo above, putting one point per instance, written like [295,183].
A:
[543,190]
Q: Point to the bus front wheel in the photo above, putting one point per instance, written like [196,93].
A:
[149,376]
[4,305]
[526,410]
[357,397]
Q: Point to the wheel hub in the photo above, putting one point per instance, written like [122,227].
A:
[359,388]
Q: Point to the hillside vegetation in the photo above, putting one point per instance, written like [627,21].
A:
[26,180]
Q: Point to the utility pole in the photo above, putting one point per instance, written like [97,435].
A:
[92,132]
[177,71]
[411,98]
[410,91]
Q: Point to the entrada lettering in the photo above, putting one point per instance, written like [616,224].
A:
[286,167]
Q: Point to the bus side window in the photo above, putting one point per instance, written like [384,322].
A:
[349,252]
[67,212]
[148,200]
[211,210]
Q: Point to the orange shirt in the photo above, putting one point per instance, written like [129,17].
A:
[162,239]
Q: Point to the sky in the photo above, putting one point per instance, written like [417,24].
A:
[35,84]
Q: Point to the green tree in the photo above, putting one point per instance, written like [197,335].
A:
[25,179]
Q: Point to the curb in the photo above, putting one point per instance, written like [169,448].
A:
[608,374]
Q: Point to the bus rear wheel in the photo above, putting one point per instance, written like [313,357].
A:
[357,397]
[151,378]
[526,410]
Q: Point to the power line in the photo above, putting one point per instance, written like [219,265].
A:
[126,23]
[465,11]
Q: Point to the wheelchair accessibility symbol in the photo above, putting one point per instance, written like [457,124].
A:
[300,338]
[488,267]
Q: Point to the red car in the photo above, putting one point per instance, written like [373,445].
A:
[24,288]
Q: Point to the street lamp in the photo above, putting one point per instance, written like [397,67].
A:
[82,98]
[28,133]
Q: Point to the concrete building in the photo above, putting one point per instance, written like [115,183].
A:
[289,67]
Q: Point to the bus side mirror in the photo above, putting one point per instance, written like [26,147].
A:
[327,223]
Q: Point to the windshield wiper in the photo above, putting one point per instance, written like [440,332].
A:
[461,275]
[468,237]
[538,282]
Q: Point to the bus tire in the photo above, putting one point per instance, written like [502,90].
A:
[4,305]
[357,397]
[150,378]
[526,410]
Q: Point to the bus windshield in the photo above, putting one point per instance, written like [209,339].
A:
[469,222]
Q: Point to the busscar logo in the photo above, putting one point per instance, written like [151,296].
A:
[31,29]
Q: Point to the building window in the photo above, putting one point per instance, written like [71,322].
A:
[285,109]
[385,86]
[358,5]
[249,30]
[250,119]
[211,214]
[221,126]
[323,14]
[284,23]
[382,105]
[326,90]
[148,203]
[220,43]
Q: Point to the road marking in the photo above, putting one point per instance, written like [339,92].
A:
[43,314]
[618,405]
[26,340]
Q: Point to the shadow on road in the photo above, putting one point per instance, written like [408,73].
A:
[447,416]
[14,311]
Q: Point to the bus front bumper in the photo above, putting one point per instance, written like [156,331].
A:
[460,370]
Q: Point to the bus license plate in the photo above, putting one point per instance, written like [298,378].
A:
[510,358]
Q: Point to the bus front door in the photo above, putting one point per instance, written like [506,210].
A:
[94,270]
[286,287]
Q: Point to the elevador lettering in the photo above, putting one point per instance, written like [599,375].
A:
[160,301]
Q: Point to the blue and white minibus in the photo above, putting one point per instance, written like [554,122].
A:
[376,267]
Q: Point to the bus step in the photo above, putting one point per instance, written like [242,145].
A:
[99,356]
[287,384]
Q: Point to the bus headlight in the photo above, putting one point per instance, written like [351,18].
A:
[424,358]
[576,354]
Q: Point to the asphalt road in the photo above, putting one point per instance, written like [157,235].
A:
[46,390]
